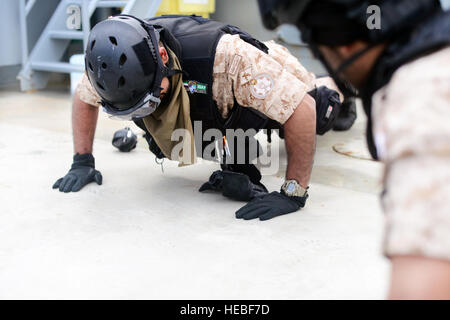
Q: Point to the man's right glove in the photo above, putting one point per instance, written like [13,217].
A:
[270,206]
[81,173]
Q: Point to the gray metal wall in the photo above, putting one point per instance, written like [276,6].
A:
[10,33]
[445,4]
[10,28]
[11,54]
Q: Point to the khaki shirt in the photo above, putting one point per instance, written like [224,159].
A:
[273,84]
[411,116]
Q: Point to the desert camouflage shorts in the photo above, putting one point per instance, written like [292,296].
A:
[412,132]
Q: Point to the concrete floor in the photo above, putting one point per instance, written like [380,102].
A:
[148,234]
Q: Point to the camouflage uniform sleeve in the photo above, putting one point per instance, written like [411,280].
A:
[291,63]
[87,93]
[412,133]
[256,80]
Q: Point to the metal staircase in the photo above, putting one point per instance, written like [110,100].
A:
[70,21]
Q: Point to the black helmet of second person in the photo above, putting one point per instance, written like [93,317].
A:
[124,66]
[342,22]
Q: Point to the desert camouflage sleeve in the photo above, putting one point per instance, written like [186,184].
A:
[273,84]
[412,133]
[87,93]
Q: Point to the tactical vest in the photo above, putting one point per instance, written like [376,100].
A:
[194,40]
[430,36]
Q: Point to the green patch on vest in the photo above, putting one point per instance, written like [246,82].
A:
[195,87]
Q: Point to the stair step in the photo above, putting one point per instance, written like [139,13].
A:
[69,35]
[62,67]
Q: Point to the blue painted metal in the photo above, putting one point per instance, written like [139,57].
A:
[63,34]
[62,67]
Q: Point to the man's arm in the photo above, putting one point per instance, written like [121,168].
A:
[300,137]
[419,278]
[82,171]
[84,123]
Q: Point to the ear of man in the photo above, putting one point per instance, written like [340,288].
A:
[164,54]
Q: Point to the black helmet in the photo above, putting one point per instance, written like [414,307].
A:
[339,22]
[124,66]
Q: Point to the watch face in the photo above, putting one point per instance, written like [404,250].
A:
[290,188]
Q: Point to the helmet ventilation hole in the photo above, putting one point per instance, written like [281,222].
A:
[123,59]
[100,85]
[92,44]
[121,82]
[90,67]
[104,66]
[113,40]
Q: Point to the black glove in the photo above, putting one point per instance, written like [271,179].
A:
[81,173]
[347,115]
[234,185]
[270,206]
[328,107]
[214,183]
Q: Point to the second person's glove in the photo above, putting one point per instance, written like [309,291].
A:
[234,185]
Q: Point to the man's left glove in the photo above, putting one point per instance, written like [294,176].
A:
[270,206]
[234,185]
[80,174]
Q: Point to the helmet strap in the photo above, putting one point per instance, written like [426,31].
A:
[347,89]
[353,58]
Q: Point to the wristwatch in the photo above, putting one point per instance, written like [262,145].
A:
[291,188]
